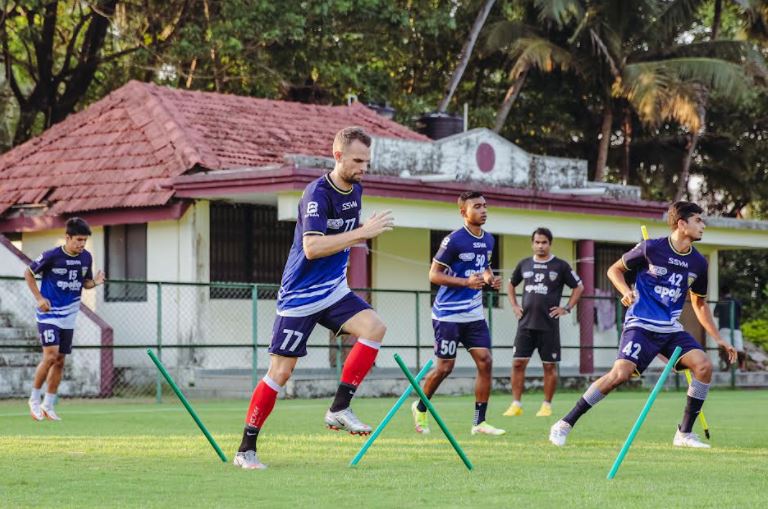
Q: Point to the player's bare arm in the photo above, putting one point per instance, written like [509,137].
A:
[704,315]
[438,276]
[558,311]
[42,303]
[616,275]
[320,246]
[516,307]
[98,280]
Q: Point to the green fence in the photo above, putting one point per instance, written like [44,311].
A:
[209,332]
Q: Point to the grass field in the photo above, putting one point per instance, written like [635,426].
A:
[113,454]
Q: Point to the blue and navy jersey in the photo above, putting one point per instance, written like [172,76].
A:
[63,276]
[664,277]
[311,285]
[463,254]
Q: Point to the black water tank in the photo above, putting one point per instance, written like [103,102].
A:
[440,125]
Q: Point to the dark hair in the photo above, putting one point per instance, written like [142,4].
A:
[468,195]
[542,231]
[348,135]
[77,226]
[681,210]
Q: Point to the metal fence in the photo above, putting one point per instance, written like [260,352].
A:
[214,337]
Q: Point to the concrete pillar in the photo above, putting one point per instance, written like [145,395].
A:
[585,267]
[359,272]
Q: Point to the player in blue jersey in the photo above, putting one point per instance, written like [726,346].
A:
[65,271]
[668,268]
[462,266]
[314,291]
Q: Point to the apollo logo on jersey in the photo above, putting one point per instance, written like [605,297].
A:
[672,293]
[539,288]
[312,209]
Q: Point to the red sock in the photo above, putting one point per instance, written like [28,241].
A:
[262,402]
[360,361]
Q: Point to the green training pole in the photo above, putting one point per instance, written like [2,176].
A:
[390,414]
[434,413]
[186,404]
[644,413]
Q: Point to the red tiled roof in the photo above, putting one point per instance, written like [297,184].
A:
[124,150]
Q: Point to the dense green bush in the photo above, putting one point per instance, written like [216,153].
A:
[756,331]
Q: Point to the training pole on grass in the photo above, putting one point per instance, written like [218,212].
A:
[434,413]
[390,414]
[186,404]
[644,413]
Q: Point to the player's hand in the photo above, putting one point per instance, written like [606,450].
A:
[731,351]
[557,312]
[495,282]
[43,304]
[475,281]
[377,224]
[628,298]
[518,311]
[100,278]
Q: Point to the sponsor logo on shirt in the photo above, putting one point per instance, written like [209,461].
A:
[539,288]
[349,205]
[472,272]
[552,275]
[74,262]
[489,255]
[335,224]
[74,286]
[467,257]
[679,263]
[477,245]
[672,293]
[85,271]
[59,271]
[311,209]
[656,270]
[692,278]
[539,265]
[445,242]
[527,274]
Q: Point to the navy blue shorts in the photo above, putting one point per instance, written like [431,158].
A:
[449,334]
[640,346]
[291,333]
[51,335]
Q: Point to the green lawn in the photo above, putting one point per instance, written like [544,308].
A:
[112,454]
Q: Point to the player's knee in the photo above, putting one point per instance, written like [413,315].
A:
[703,370]
[378,331]
[444,369]
[519,364]
[484,364]
[619,376]
[58,361]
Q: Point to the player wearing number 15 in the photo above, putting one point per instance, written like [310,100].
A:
[314,291]
[668,268]
[65,271]
[462,266]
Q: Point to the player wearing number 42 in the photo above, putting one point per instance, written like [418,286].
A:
[314,291]
[667,268]
[462,266]
[65,271]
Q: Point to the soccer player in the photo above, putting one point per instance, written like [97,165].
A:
[667,268]
[65,271]
[314,290]
[544,276]
[461,267]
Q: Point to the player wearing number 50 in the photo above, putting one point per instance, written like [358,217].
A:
[462,266]
[668,268]
[65,271]
[314,291]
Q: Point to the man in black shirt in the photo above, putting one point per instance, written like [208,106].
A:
[538,328]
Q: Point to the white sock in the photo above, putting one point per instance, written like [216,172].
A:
[49,400]
[546,403]
[518,403]
[36,393]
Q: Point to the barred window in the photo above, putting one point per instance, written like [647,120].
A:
[126,258]
[248,245]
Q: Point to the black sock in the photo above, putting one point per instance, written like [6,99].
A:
[343,397]
[577,411]
[421,407]
[692,409]
[250,434]
[480,409]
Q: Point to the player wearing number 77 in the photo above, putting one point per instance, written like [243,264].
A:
[314,291]
[667,269]
[461,267]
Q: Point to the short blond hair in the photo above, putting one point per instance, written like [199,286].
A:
[348,135]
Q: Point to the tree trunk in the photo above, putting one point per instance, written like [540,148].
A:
[685,170]
[717,18]
[509,100]
[627,129]
[605,142]
[466,52]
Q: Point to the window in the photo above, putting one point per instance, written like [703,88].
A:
[248,245]
[437,236]
[126,248]
[605,256]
